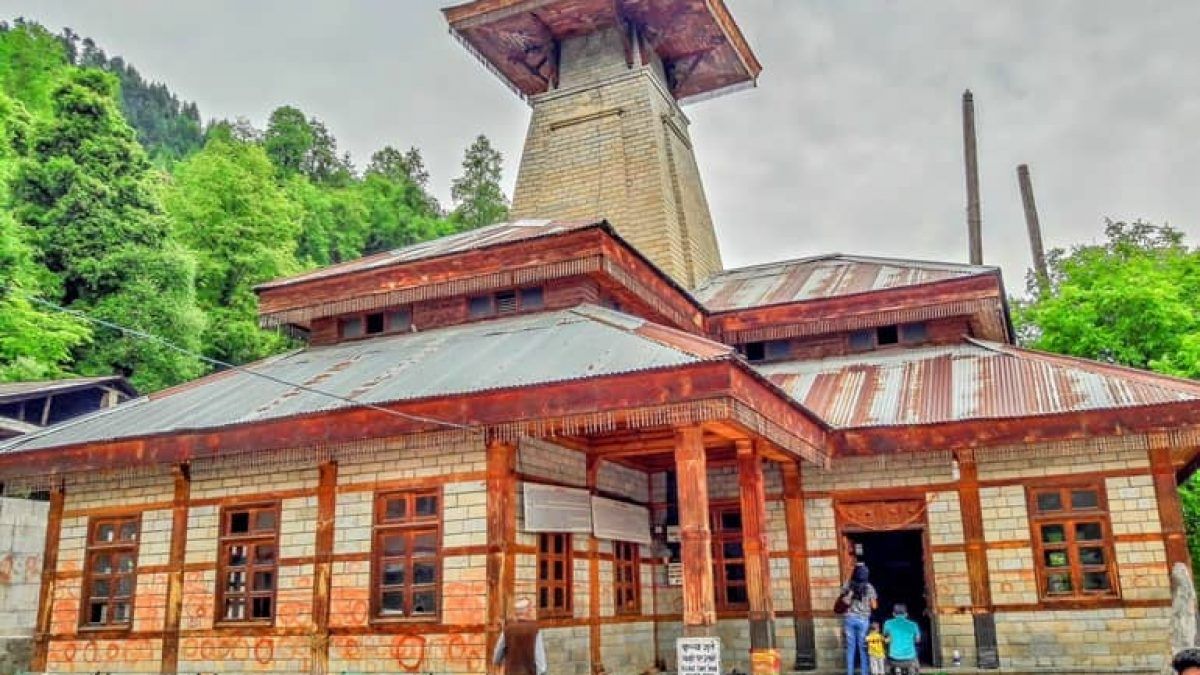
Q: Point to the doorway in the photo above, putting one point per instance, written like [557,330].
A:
[896,559]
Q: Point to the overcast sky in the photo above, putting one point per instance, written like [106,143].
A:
[851,143]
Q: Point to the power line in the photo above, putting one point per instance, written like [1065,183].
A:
[223,364]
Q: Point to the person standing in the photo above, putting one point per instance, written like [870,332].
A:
[860,599]
[520,649]
[1187,662]
[902,635]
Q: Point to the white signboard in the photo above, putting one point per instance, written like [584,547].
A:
[619,521]
[550,508]
[698,656]
[674,574]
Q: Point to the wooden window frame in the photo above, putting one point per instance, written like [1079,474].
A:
[546,586]
[408,526]
[388,329]
[94,549]
[251,539]
[1069,517]
[720,537]
[627,559]
[519,301]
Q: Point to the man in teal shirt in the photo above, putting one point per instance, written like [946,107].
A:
[902,636]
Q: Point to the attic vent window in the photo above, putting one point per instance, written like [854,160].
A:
[351,327]
[374,324]
[887,335]
[505,302]
[862,340]
[913,333]
[399,321]
[777,349]
[754,351]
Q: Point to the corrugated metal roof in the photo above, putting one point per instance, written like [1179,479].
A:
[491,235]
[973,380]
[820,277]
[577,343]
[15,391]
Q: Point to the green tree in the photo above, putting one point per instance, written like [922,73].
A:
[1132,300]
[35,343]
[90,198]
[478,199]
[32,64]
[403,166]
[227,208]
[288,139]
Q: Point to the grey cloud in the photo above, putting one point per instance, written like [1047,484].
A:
[852,141]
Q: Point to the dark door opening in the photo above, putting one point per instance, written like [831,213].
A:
[896,560]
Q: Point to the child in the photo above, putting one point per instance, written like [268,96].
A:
[876,651]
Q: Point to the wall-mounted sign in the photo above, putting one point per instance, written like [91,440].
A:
[698,656]
[674,574]
[619,521]
[550,508]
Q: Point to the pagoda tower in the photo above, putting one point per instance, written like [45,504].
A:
[607,138]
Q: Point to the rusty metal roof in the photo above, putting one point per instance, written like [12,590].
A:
[578,343]
[821,277]
[15,391]
[483,237]
[972,380]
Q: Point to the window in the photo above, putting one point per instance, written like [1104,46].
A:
[1072,542]
[754,351]
[351,327]
[375,323]
[862,340]
[627,596]
[777,349]
[407,555]
[399,321]
[913,333]
[505,302]
[729,560]
[248,567]
[112,551]
[554,575]
[887,335]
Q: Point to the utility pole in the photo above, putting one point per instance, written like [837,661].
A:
[1034,226]
[974,221]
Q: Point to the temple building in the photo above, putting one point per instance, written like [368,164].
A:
[582,407]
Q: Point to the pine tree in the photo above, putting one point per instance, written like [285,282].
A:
[478,199]
[89,195]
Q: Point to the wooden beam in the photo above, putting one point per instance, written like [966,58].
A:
[753,499]
[46,410]
[323,567]
[501,532]
[986,650]
[797,537]
[699,603]
[179,530]
[593,470]
[1170,510]
[41,634]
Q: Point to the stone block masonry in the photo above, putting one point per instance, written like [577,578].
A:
[611,142]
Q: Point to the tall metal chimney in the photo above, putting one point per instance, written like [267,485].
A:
[974,221]
[1034,226]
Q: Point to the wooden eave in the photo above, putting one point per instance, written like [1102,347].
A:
[620,396]
[858,308]
[596,249]
[982,432]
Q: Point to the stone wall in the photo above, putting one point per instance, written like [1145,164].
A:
[22,542]
[611,142]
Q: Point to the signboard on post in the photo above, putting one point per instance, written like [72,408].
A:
[619,521]
[551,508]
[698,656]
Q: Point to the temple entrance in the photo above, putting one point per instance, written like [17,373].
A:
[896,559]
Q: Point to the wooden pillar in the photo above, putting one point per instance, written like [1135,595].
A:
[593,468]
[41,635]
[179,525]
[501,531]
[986,652]
[797,536]
[323,567]
[1170,511]
[764,656]
[699,604]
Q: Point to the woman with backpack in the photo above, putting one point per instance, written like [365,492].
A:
[857,600]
